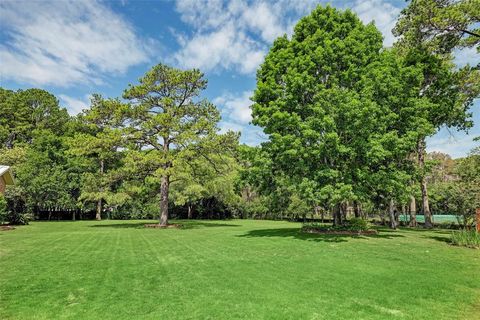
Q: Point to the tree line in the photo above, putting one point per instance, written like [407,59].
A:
[346,120]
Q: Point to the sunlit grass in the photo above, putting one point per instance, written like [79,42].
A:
[232,270]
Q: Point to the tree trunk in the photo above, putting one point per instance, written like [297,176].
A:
[391,213]
[73,215]
[190,211]
[98,216]
[403,216]
[425,206]
[165,183]
[413,212]
[337,215]
[421,149]
[164,188]
[357,209]
[343,211]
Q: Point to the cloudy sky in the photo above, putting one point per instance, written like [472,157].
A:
[77,48]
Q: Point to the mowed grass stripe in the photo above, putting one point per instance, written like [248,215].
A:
[231,270]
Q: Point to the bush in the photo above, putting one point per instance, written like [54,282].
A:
[358,224]
[3,209]
[466,238]
[17,210]
[17,218]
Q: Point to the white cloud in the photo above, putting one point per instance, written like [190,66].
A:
[66,42]
[75,106]
[383,13]
[230,126]
[236,115]
[235,35]
[232,35]
[262,18]
[225,48]
[236,108]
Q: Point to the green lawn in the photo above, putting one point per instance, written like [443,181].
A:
[231,270]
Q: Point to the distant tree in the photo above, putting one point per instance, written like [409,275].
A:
[442,166]
[23,112]
[99,138]
[32,131]
[199,177]
[166,120]
[44,177]
[468,188]
[460,193]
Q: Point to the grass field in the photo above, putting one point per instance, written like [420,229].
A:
[232,270]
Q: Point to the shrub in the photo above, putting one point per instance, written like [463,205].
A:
[17,210]
[3,209]
[18,218]
[358,224]
[466,238]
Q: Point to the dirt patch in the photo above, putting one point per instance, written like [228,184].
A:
[342,232]
[6,228]
[168,226]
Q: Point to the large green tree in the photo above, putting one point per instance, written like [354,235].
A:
[429,31]
[332,120]
[32,131]
[167,120]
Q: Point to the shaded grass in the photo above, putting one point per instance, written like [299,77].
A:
[239,269]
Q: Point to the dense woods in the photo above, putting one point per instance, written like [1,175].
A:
[346,120]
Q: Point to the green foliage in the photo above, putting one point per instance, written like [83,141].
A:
[466,238]
[26,113]
[3,209]
[297,207]
[442,25]
[17,212]
[459,192]
[167,125]
[335,109]
[358,224]
[97,142]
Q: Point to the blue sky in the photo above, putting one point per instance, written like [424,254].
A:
[77,48]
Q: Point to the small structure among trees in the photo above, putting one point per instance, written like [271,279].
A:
[6,178]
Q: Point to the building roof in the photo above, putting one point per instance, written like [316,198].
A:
[7,175]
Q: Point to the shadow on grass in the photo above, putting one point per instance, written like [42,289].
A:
[197,224]
[185,225]
[441,239]
[297,234]
[120,225]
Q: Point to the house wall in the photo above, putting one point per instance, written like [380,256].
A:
[2,185]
